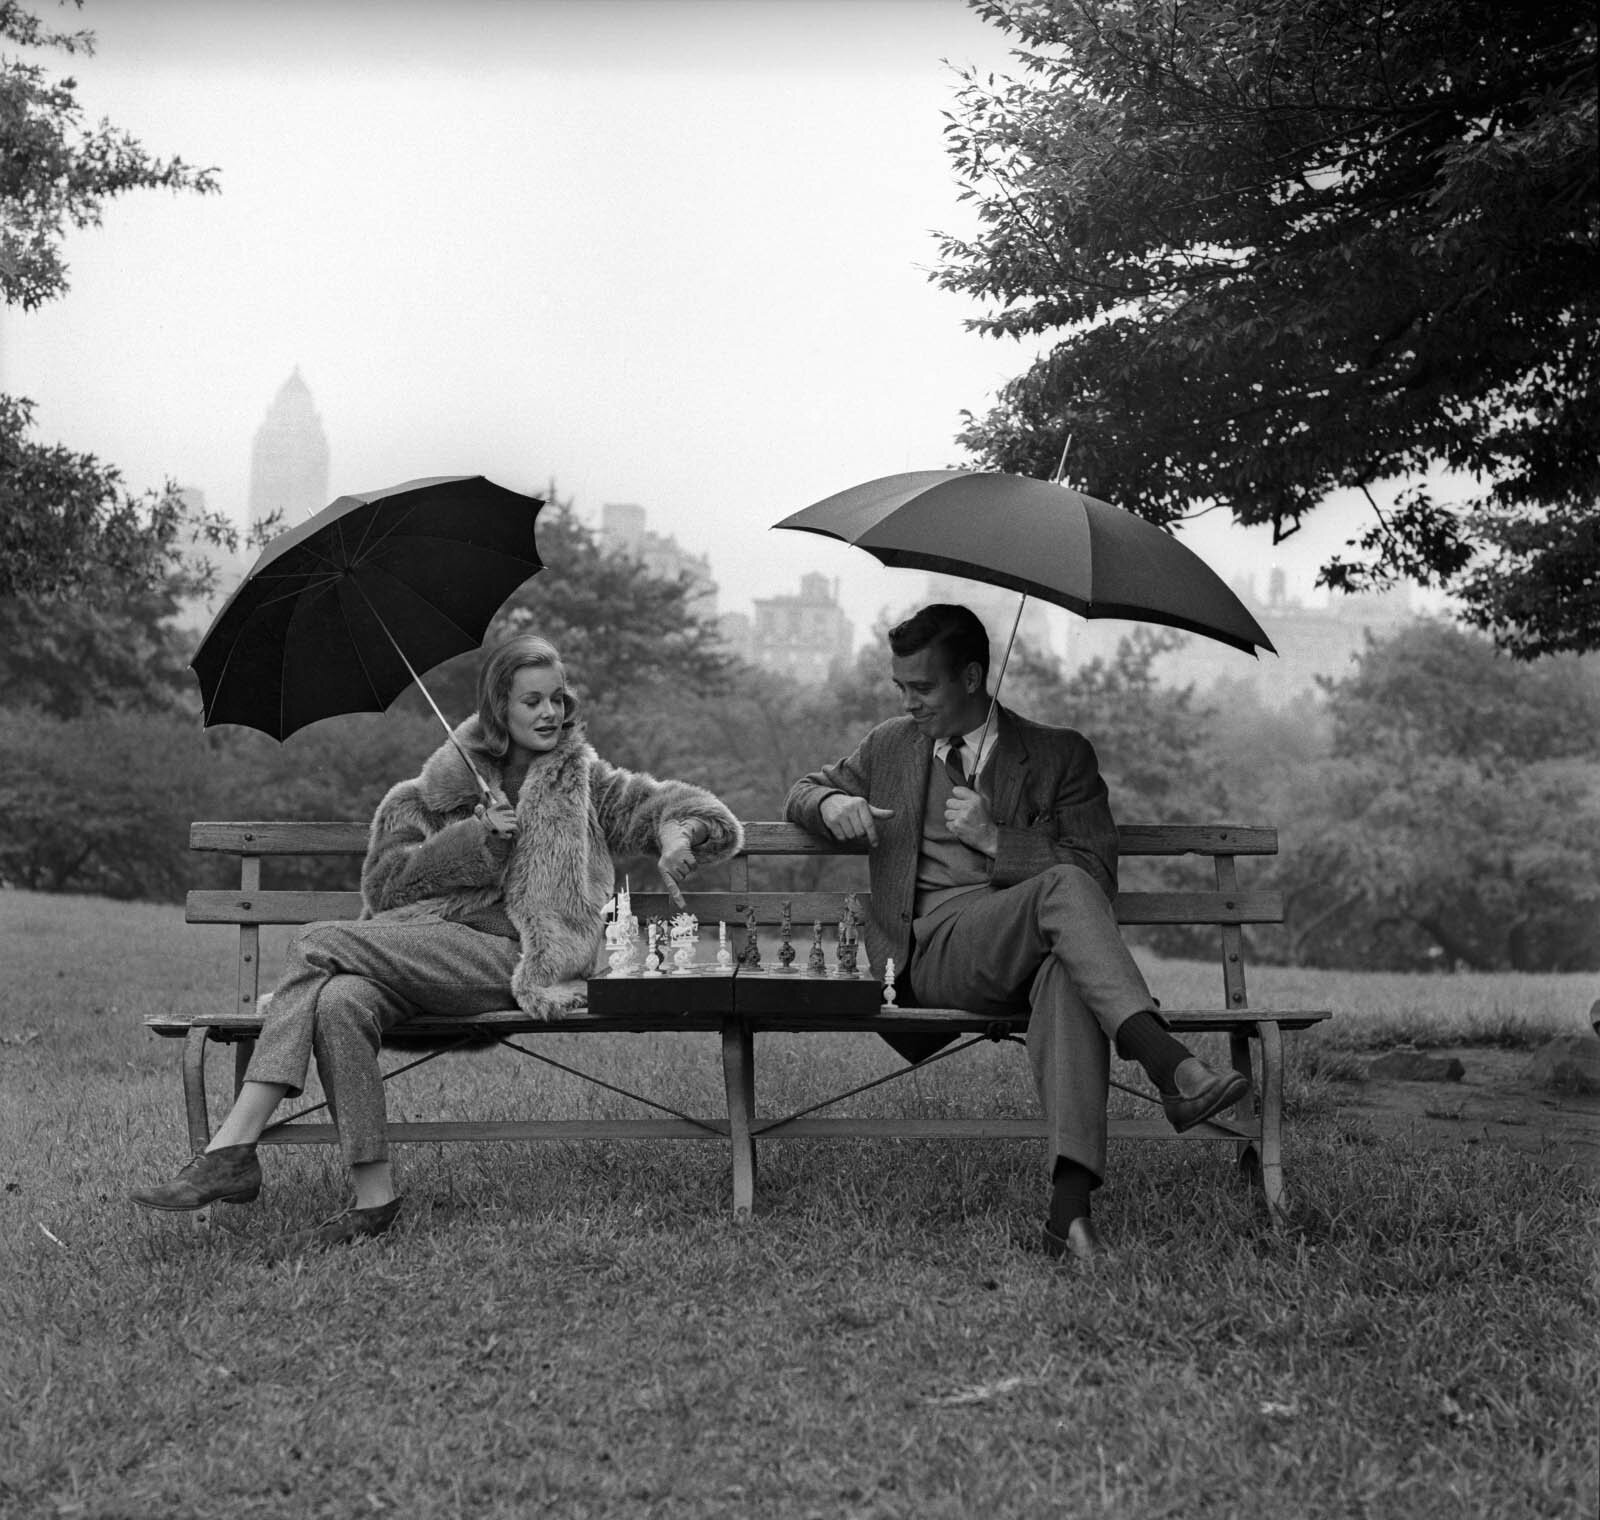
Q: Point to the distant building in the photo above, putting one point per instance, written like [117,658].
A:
[289,458]
[1312,641]
[623,531]
[802,636]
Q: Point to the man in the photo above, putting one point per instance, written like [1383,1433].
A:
[993,865]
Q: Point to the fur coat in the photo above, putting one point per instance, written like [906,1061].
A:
[429,858]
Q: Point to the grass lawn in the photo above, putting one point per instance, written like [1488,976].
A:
[583,1331]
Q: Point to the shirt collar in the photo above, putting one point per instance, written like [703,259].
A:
[969,746]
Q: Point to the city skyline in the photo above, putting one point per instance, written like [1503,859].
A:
[674,254]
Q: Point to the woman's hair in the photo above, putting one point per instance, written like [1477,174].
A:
[494,685]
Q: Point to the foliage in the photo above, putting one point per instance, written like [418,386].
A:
[1458,814]
[68,656]
[67,524]
[100,803]
[1281,248]
[623,632]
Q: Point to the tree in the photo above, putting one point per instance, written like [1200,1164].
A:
[1285,247]
[68,525]
[1458,814]
[622,631]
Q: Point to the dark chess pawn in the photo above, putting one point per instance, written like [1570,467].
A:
[786,949]
[816,962]
[750,955]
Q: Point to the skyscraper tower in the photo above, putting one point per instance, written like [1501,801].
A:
[289,459]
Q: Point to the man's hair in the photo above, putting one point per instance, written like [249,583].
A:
[494,685]
[951,628]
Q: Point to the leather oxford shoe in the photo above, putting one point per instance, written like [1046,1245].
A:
[350,1225]
[230,1174]
[1201,1093]
[1082,1241]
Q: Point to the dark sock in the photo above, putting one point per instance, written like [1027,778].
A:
[1144,1039]
[1071,1185]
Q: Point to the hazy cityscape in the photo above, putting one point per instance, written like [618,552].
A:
[805,632]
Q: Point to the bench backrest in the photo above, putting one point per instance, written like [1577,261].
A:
[1223,904]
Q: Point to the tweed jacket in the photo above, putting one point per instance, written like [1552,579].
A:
[1044,790]
[429,858]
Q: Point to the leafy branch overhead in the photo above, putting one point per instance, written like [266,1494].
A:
[69,525]
[1280,248]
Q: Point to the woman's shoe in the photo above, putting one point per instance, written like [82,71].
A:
[229,1174]
[344,1227]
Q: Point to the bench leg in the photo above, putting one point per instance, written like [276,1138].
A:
[739,1078]
[194,1089]
[1272,1120]
[1249,1157]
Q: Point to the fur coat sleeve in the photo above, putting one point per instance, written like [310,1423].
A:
[429,858]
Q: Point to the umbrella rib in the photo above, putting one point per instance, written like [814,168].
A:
[374,571]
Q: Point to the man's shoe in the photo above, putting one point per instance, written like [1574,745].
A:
[1081,1241]
[1201,1093]
[351,1224]
[230,1174]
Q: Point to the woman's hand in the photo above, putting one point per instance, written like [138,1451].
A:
[497,816]
[677,855]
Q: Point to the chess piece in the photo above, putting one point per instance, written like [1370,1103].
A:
[888,983]
[724,955]
[652,958]
[816,962]
[786,949]
[750,955]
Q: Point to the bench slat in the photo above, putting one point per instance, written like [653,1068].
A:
[346,838]
[295,837]
[237,907]
[806,908]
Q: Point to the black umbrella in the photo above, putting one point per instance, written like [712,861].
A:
[339,614]
[1038,538]
[1042,539]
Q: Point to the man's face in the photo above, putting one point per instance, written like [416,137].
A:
[940,701]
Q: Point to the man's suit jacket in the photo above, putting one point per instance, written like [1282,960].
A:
[1045,793]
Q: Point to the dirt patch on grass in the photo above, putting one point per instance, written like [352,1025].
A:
[1495,1103]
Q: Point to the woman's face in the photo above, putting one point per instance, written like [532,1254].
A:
[535,711]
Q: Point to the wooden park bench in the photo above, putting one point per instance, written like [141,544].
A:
[770,1004]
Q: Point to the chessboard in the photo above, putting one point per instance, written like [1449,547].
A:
[799,992]
[701,989]
[738,989]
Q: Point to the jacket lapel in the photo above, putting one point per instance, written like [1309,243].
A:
[1009,771]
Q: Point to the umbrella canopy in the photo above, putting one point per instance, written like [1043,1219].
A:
[1043,540]
[339,614]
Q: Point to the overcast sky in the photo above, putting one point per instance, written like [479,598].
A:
[671,252]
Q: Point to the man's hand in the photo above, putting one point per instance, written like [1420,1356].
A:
[498,817]
[966,815]
[849,817]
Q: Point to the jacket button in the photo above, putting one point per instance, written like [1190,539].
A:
[905,918]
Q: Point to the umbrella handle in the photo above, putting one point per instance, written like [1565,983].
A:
[994,700]
[450,733]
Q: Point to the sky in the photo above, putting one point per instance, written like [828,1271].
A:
[669,252]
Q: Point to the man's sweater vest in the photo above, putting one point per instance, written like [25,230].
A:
[946,868]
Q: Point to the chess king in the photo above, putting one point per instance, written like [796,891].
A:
[993,865]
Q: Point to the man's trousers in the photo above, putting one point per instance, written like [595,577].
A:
[1053,943]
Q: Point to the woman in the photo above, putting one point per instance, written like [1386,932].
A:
[465,908]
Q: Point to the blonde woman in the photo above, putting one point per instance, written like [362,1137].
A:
[467,907]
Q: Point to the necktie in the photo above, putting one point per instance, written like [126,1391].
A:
[952,763]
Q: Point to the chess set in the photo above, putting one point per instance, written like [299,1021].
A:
[658,967]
